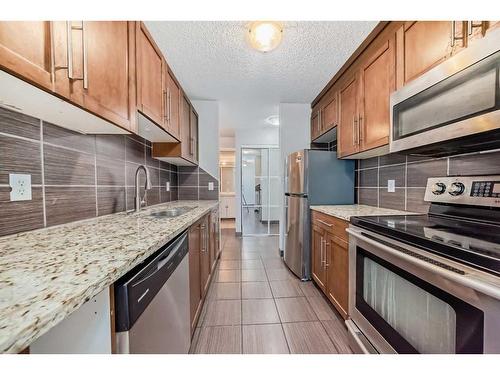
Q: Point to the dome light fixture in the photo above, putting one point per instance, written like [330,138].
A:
[265,36]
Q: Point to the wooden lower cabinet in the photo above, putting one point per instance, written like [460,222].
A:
[205,267]
[203,242]
[194,273]
[318,268]
[330,259]
[337,273]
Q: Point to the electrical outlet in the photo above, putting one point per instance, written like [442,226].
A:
[210,186]
[20,187]
[167,186]
[391,186]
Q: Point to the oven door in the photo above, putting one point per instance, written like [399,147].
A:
[405,300]
[458,98]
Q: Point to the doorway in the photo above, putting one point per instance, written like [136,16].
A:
[260,191]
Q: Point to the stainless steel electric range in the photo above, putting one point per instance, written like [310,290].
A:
[429,283]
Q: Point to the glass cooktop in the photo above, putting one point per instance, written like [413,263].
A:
[473,243]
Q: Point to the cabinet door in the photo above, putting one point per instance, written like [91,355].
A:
[377,82]
[151,96]
[477,30]
[194,272]
[185,128]
[172,105]
[318,257]
[421,45]
[26,51]
[108,71]
[194,135]
[329,113]
[337,273]
[204,257]
[315,124]
[212,240]
[348,141]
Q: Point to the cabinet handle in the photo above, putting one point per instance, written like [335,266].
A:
[319,121]
[321,250]
[326,263]
[69,48]
[360,129]
[471,26]
[354,130]
[325,223]
[454,38]
[85,59]
[167,105]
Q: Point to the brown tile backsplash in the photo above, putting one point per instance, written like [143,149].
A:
[28,215]
[19,124]
[68,167]
[110,200]
[411,173]
[82,175]
[65,204]
[20,156]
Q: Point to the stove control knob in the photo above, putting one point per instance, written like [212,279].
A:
[456,188]
[438,188]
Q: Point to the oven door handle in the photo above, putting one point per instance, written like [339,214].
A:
[468,280]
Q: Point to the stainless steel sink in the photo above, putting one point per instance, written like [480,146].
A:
[172,212]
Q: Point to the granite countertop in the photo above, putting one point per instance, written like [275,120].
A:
[47,274]
[345,211]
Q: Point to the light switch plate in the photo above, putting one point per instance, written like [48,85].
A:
[391,186]
[210,186]
[20,187]
[167,186]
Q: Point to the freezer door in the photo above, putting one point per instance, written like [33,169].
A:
[297,247]
[296,181]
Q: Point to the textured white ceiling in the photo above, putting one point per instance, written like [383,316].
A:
[212,60]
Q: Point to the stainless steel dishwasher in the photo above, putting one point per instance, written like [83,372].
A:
[152,303]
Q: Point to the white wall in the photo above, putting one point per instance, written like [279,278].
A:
[208,113]
[294,135]
[250,136]
[226,142]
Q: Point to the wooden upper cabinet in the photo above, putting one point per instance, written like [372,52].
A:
[479,29]
[193,120]
[109,71]
[185,128]
[26,51]
[421,45]
[329,112]
[347,136]
[315,123]
[172,107]
[377,82]
[151,95]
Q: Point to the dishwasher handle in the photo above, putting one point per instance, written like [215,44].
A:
[165,259]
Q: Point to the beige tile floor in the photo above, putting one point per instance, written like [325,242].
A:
[256,305]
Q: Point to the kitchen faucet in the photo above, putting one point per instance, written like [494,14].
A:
[138,202]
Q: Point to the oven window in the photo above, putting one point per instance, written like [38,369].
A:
[469,93]
[412,315]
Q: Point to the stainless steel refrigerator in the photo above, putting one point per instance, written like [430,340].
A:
[312,177]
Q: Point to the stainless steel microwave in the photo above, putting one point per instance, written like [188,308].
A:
[454,107]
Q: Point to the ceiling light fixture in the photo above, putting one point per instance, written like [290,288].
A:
[265,36]
[273,120]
